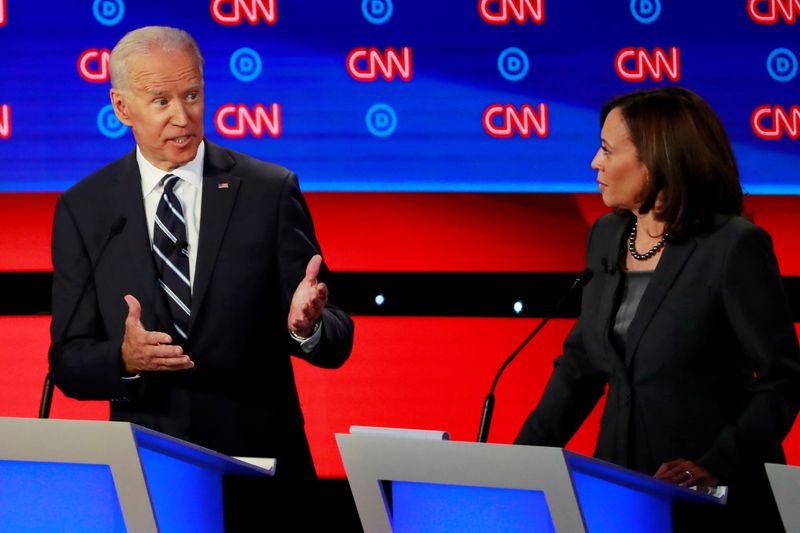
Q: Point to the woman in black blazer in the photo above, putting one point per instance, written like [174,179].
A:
[686,321]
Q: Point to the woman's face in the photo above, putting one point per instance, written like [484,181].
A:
[622,177]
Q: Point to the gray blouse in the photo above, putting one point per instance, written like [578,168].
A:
[635,283]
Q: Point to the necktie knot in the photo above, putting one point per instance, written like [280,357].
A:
[169,181]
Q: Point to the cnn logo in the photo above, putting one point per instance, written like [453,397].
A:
[366,64]
[503,121]
[635,64]
[504,11]
[93,65]
[771,11]
[235,121]
[5,121]
[772,122]
[233,12]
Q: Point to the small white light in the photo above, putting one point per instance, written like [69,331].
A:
[518,307]
[379,299]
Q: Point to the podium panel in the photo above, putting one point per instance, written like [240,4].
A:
[465,508]
[403,484]
[785,482]
[39,496]
[82,475]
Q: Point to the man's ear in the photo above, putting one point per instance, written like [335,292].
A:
[120,104]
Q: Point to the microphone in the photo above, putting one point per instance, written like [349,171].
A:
[488,405]
[47,392]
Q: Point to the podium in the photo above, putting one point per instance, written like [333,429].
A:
[785,483]
[80,475]
[405,484]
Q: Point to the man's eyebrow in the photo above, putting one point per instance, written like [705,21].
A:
[157,91]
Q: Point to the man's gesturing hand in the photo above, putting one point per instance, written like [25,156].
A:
[148,350]
[308,301]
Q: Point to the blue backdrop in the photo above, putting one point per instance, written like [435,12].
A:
[471,66]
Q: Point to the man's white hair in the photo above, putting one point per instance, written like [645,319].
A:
[146,40]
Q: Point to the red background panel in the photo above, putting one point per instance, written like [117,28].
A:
[26,222]
[409,372]
[423,232]
[429,373]
[23,363]
[453,232]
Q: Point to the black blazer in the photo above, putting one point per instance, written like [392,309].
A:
[256,237]
[712,367]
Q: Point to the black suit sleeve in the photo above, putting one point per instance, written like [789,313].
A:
[758,311]
[571,393]
[297,244]
[87,364]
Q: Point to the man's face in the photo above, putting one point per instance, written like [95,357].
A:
[163,105]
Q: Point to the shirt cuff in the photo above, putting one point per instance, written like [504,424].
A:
[307,344]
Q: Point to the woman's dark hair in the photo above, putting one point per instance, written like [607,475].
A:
[688,156]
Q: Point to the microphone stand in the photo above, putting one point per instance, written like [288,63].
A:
[488,405]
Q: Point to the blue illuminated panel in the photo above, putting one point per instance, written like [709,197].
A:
[47,497]
[434,508]
[185,496]
[609,507]
[615,499]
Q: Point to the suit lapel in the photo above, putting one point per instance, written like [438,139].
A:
[219,196]
[674,257]
[136,270]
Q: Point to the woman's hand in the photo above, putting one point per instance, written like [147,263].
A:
[686,474]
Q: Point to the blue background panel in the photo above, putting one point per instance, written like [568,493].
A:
[433,139]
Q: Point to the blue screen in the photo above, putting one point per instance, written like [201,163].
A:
[40,496]
[406,95]
[439,508]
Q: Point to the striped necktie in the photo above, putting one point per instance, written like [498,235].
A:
[171,254]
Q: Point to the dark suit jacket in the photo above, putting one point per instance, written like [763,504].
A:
[256,237]
[712,367]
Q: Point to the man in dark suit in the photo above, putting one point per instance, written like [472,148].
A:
[205,274]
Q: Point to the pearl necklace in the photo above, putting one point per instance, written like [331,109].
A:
[649,253]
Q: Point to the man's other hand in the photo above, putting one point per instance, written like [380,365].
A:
[144,350]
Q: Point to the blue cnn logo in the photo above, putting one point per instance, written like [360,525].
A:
[108,123]
[245,64]
[108,12]
[377,11]
[381,120]
[646,11]
[782,65]
[513,64]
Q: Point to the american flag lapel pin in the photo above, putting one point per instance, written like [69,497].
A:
[223,185]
